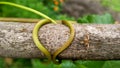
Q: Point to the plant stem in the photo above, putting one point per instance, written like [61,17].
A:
[28,9]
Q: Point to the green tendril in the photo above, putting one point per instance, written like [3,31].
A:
[36,29]
[36,38]
[29,9]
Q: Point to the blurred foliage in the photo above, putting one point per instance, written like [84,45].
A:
[98,19]
[44,6]
[113,4]
[2,63]
[47,7]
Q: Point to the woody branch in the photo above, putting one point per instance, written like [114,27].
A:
[91,41]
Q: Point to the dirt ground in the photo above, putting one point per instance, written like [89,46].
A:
[78,8]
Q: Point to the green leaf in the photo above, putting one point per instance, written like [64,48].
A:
[90,64]
[98,19]
[37,64]
[2,63]
[21,63]
[111,64]
[68,64]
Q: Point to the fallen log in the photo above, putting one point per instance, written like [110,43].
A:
[91,41]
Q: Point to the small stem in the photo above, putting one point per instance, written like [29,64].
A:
[29,9]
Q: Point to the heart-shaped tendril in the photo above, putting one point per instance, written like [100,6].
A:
[36,29]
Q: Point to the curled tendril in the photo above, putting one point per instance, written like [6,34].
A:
[41,23]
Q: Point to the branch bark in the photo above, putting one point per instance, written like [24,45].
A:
[93,42]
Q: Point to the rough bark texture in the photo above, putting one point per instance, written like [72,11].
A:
[103,39]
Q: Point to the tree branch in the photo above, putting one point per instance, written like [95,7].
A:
[93,42]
